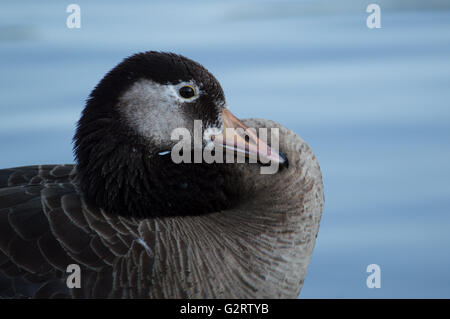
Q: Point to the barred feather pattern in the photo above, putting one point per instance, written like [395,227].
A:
[259,249]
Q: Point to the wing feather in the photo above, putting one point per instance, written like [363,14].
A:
[45,226]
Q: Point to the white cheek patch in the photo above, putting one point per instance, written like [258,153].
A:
[152,109]
[168,93]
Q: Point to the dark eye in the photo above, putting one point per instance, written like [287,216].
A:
[187,91]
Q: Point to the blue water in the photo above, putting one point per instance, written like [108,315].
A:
[373,104]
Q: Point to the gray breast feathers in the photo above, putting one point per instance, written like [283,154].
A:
[261,248]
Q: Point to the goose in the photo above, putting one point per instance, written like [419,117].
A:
[126,221]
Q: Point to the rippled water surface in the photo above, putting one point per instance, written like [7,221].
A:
[373,105]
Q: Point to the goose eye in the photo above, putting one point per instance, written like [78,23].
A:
[187,91]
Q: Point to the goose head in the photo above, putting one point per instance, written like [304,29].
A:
[215,229]
[128,130]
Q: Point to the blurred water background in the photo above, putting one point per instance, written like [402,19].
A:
[373,105]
